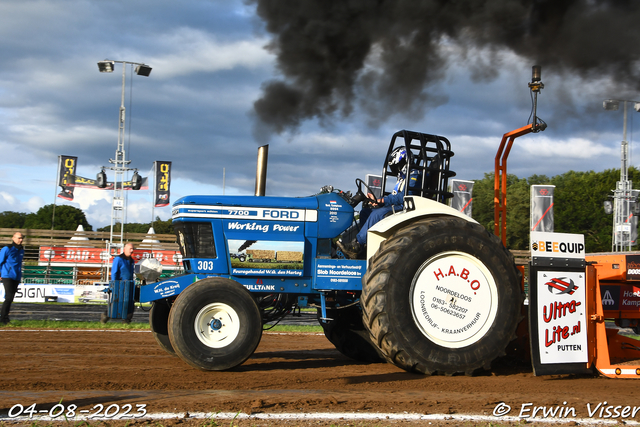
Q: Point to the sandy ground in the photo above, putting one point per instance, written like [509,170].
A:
[288,374]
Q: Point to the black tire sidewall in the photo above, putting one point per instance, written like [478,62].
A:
[349,335]
[158,322]
[183,316]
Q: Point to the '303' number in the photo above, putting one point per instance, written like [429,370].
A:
[205,265]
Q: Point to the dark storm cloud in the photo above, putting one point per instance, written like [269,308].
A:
[384,55]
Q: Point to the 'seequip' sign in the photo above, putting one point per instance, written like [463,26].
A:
[557,245]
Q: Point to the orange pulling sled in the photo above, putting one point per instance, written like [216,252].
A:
[613,293]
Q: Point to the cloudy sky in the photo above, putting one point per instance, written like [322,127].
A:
[325,85]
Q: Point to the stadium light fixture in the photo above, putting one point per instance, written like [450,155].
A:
[106,66]
[611,104]
[118,205]
[143,70]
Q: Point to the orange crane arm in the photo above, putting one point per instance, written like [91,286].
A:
[500,181]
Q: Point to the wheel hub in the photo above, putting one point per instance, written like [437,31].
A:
[217,325]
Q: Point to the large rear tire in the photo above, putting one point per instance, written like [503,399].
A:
[158,322]
[347,333]
[215,324]
[442,295]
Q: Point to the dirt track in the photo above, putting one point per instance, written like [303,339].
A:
[291,373]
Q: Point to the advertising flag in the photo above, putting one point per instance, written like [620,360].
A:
[542,208]
[66,173]
[162,183]
[374,182]
[462,196]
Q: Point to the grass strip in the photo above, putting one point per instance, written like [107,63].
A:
[296,328]
[118,324]
[69,324]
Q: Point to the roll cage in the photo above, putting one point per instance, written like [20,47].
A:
[430,156]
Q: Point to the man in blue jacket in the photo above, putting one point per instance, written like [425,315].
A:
[122,267]
[11,273]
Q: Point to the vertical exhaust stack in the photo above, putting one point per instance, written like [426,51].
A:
[536,86]
[261,170]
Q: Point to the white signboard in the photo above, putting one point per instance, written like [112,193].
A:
[36,293]
[561,311]
[557,245]
[28,292]
[91,294]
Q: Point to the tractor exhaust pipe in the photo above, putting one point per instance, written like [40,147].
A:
[261,170]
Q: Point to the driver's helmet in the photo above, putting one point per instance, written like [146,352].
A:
[397,160]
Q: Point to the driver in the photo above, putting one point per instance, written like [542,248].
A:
[391,202]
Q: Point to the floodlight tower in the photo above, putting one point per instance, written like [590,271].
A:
[118,204]
[622,195]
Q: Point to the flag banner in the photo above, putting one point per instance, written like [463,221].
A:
[374,182]
[82,182]
[162,183]
[462,195]
[66,169]
[542,208]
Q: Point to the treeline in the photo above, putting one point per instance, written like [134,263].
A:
[578,205]
[159,226]
[68,218]
[578,208]
[65,218]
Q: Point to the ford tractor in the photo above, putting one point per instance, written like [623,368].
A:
[436,293]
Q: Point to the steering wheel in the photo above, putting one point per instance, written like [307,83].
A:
[367,202]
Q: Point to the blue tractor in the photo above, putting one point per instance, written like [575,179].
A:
[435,293]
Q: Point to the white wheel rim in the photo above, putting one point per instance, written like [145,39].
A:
[454,299]
[217,325]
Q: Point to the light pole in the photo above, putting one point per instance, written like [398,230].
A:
[623,194]
[118,204]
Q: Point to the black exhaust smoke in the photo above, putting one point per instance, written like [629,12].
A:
[384,55]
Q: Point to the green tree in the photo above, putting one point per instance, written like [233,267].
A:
[130,227]
[518,203]
[538,180]
[518,213]
[578,206]
[482,207]
[9,219]
[159,226]
[66,218]
[163,227]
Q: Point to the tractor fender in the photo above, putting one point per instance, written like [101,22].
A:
[415,209]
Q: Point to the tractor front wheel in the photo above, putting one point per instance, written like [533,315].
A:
[215,324]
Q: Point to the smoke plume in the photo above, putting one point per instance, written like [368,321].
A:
[384,55]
